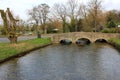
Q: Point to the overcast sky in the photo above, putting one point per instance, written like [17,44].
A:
[20,7]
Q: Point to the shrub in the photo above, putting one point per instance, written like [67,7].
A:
[111,30]
[111,24]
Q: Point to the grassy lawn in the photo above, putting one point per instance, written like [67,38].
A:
[7,49]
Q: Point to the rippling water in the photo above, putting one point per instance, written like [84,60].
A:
[65,62]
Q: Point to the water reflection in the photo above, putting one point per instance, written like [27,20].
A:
[65,62]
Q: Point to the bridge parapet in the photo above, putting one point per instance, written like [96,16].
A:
[92,36]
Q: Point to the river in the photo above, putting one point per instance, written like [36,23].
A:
[65,62]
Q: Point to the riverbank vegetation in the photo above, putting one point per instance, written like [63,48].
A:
[8,50]
[111,30]
[115,42]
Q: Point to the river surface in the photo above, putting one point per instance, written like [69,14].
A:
[65,62]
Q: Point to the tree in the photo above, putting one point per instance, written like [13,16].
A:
[44,10]
[69,14]
[34,13]
[40,15]
[111,24]
[9,25]
[60,11]
[94,6]
[83,12]
[79,25]
[73,9]
[113,16]
[54,26]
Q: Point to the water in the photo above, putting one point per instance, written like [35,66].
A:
[65,62]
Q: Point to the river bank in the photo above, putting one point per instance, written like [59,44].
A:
[9,51]
[115,42]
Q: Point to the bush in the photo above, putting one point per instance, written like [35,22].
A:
[111,30]
[111,24]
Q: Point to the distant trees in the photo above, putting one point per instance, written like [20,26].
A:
[92,15]
[39,14]
[54,26]
[60,12]
[69,14]
[77,16]
[94,8]
[73,14]
[10,25]
[112,18]
[113,15]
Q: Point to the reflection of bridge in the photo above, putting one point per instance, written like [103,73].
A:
[92,36]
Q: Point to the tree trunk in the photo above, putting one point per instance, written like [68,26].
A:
[13,39]
[63,24]
[38,34]
[44,29]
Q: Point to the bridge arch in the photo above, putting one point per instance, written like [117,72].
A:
[83,41]
[65,39]
[101,40]
[83,38]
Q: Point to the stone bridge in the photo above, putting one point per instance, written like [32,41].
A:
[92,36]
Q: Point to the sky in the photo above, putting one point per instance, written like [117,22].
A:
[20,7]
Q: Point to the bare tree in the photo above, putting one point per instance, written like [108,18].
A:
[9,25]
[34,13]
[72,6]
[44,10]
[40,14]
[60,11]
[72,9]
[94,6]
[68,13]
[83,12]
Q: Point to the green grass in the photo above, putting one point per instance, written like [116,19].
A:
[115,40]
[7,49]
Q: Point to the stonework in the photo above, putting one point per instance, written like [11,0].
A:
[92,36]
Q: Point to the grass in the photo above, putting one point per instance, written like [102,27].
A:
[115,40]
[7,49]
